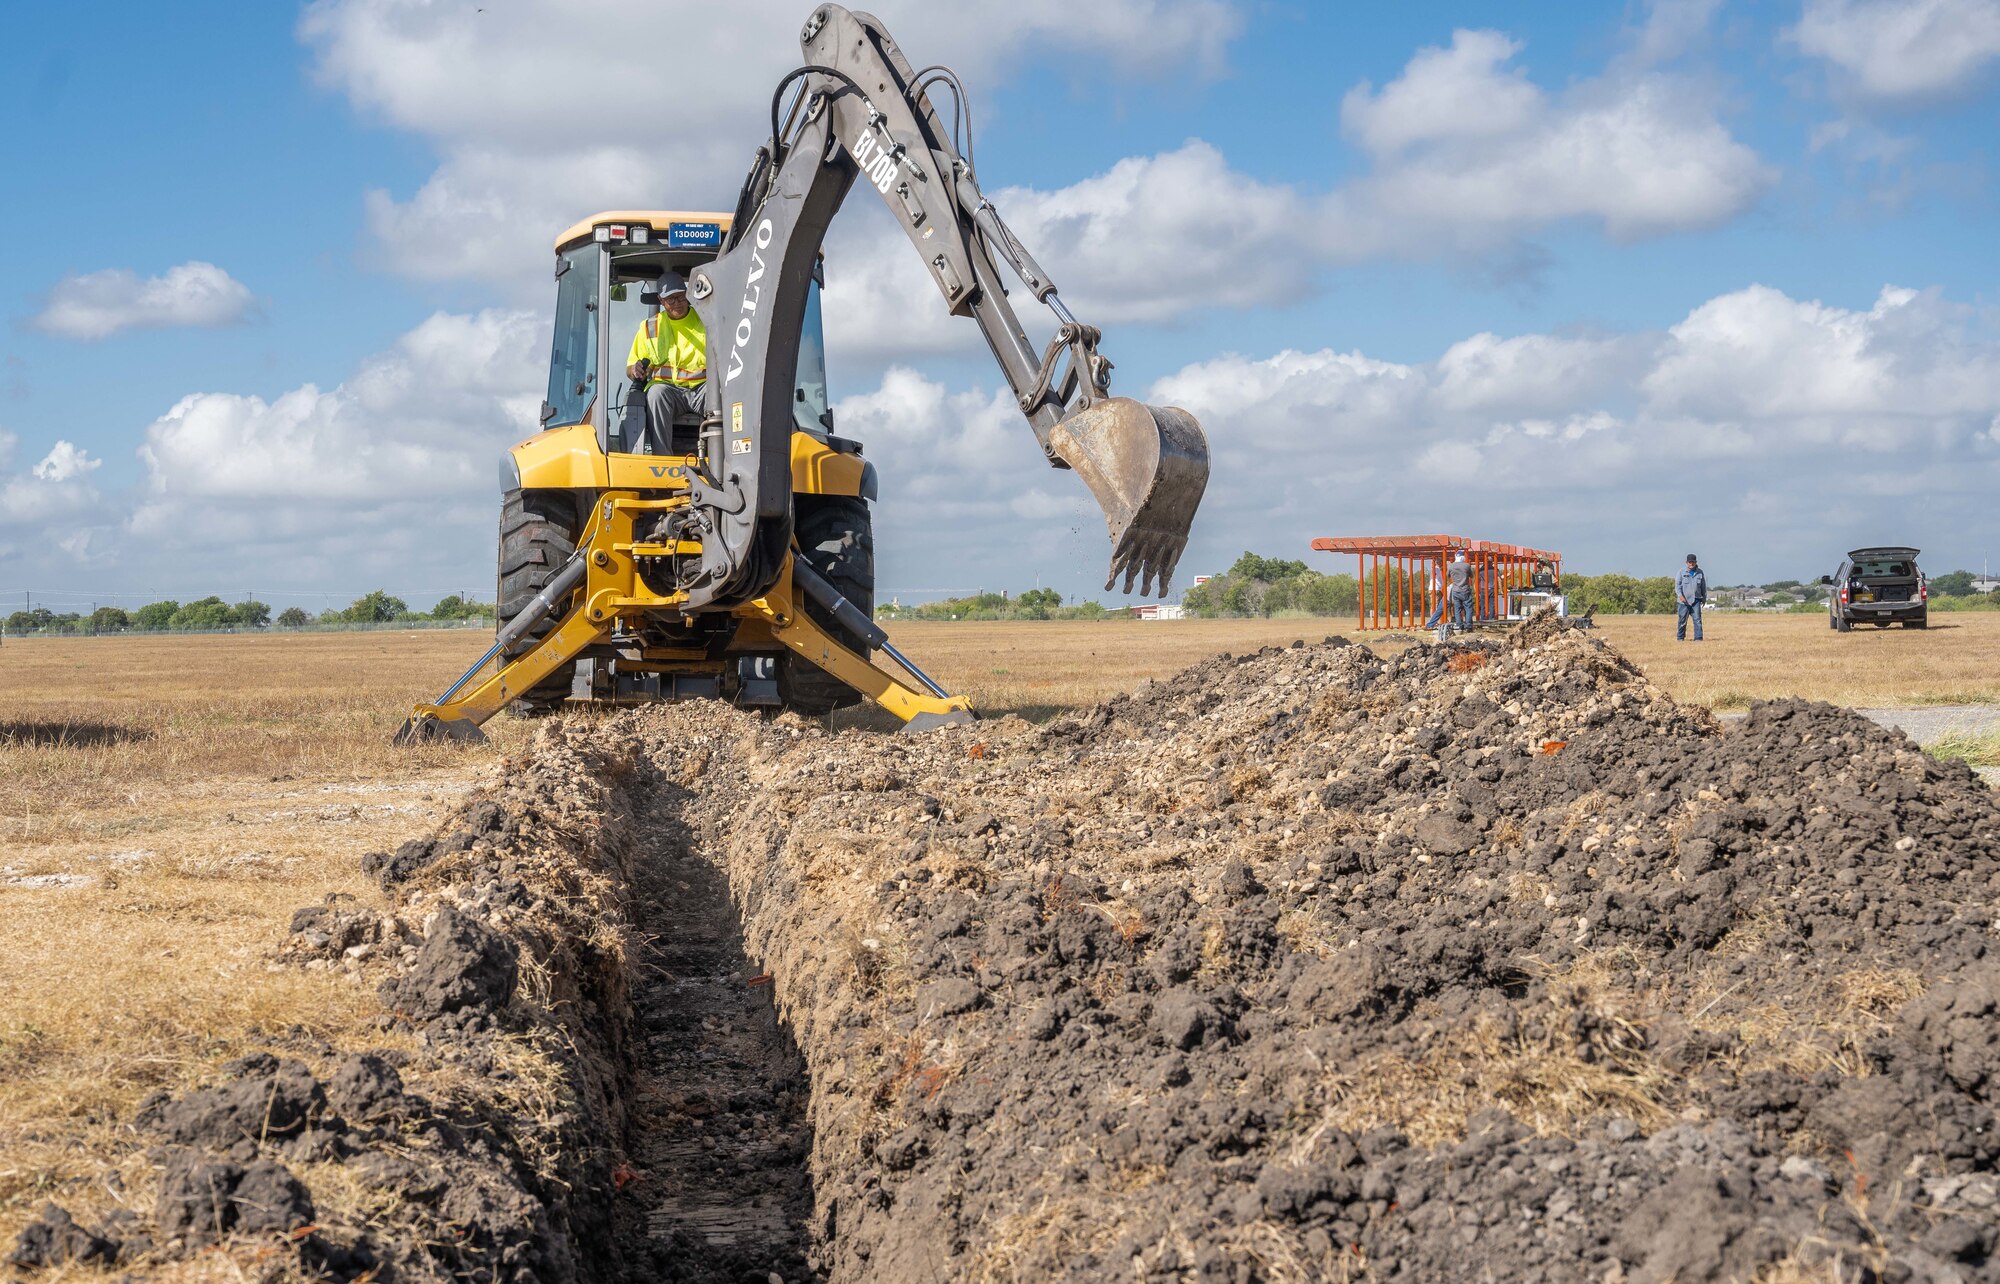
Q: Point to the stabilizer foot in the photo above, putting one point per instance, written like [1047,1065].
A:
[425,729]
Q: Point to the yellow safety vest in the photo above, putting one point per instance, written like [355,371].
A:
[677,349]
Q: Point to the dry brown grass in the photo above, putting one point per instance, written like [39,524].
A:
[1760,657]
[165,803]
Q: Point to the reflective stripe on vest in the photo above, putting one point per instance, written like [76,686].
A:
[678,350]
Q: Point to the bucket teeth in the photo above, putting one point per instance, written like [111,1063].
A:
[1147,467]
[423,728]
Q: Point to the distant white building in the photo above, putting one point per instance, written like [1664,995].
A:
[1157,611]
[1986,585]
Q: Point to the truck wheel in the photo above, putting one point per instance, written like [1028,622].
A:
[1921,622]
[835,536]
[1840,622]
[538,531]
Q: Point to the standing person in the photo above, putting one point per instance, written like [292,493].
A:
[1690,592]
[1435,623]
[670,351]
[1459,576]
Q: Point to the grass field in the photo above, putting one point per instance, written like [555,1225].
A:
[165,803]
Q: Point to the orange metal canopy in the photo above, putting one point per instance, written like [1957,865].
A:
[1402,575]
[1430,545]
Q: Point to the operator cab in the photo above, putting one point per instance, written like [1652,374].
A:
[607,271]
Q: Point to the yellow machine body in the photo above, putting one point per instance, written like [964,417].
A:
[614,611]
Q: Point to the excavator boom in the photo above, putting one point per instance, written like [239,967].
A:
[861,114]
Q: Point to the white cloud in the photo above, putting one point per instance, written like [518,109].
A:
[391,472]
[674,108]
[968,498]
[65,462]
[1117,245]
[1636,443]
[97,305]
[1467,156]
[1457,94]
[1898,52]
[43,502]
[1469,153]
[1466,153]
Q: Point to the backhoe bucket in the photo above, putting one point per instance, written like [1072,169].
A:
[1147,466]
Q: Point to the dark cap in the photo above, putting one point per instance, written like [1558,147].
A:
[1690,559]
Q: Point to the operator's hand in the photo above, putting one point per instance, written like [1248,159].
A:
[639,369]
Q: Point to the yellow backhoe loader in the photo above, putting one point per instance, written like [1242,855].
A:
[728,553]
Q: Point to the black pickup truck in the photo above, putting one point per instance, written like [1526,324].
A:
[1879,586]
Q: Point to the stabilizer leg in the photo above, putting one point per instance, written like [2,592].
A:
[457,716]
[919,710]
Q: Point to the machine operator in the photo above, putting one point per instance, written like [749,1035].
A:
[670,352]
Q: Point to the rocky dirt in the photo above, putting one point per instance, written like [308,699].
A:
[1482,962]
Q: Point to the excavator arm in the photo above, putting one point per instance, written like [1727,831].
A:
[856,111]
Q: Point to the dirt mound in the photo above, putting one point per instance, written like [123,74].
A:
[1310,961]
[1484,961]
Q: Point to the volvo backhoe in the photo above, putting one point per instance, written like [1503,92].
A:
[729,554]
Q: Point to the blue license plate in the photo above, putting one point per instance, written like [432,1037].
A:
[694,236]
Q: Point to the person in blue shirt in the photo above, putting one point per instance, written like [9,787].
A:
[1690,593]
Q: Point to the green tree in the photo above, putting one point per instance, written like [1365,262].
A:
[109,619]
[1037,603]
[453,607]
[251,613]
[207,613]
[377,607]
[1656,595]
[1952,584]
[1268,569]
[32,621]
[1243,597]
[155,616]
[292,617]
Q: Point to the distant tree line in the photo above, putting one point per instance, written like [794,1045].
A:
[1033,604]
[212,614]
[1269,586]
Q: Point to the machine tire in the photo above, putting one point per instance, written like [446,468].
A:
[538,531]
[1840,622]
[1921,622]
[836,537]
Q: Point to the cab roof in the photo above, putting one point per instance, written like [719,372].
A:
[1885,550]
[655,219]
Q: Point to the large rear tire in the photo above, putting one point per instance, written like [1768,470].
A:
[538,530]
[836,537]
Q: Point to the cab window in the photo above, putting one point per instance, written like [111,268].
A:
[809,412]
[573,361]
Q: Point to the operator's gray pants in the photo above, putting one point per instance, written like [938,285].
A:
[664,403]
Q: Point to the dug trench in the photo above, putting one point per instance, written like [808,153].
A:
[1479,962]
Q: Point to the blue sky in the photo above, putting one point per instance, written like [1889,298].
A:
[1610,280]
